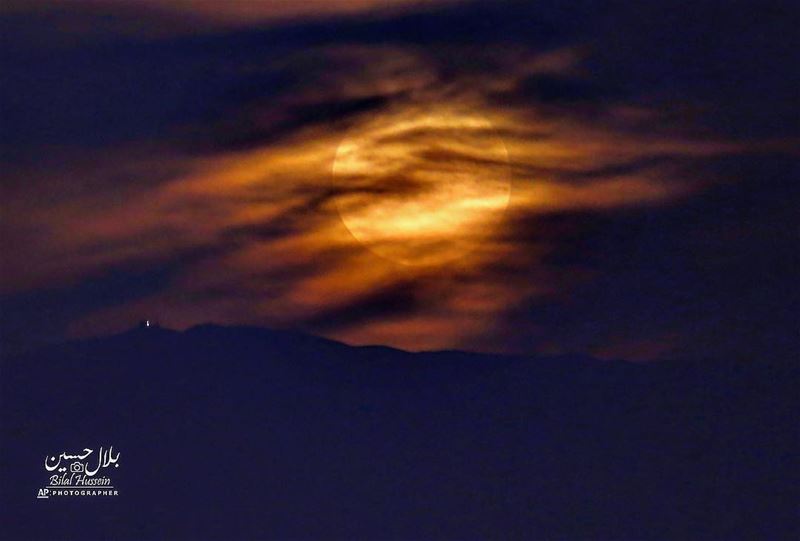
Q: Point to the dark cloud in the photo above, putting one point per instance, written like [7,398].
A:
[548,89]
[241,131]
[396,300]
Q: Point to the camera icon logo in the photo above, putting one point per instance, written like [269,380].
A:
[76,467]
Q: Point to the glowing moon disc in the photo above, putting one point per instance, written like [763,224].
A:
[422,188]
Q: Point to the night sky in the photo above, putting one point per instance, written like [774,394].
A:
[619,179]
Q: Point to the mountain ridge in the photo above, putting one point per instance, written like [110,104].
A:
[293,336]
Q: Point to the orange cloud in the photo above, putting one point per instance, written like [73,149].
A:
[187,16]
[310,229]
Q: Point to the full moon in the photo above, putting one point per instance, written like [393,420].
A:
[422,187]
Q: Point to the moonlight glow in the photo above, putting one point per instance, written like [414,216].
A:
[423,188]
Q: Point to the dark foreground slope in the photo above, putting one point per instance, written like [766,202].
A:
[241,433]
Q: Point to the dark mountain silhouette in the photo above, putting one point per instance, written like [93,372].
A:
[246,433]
